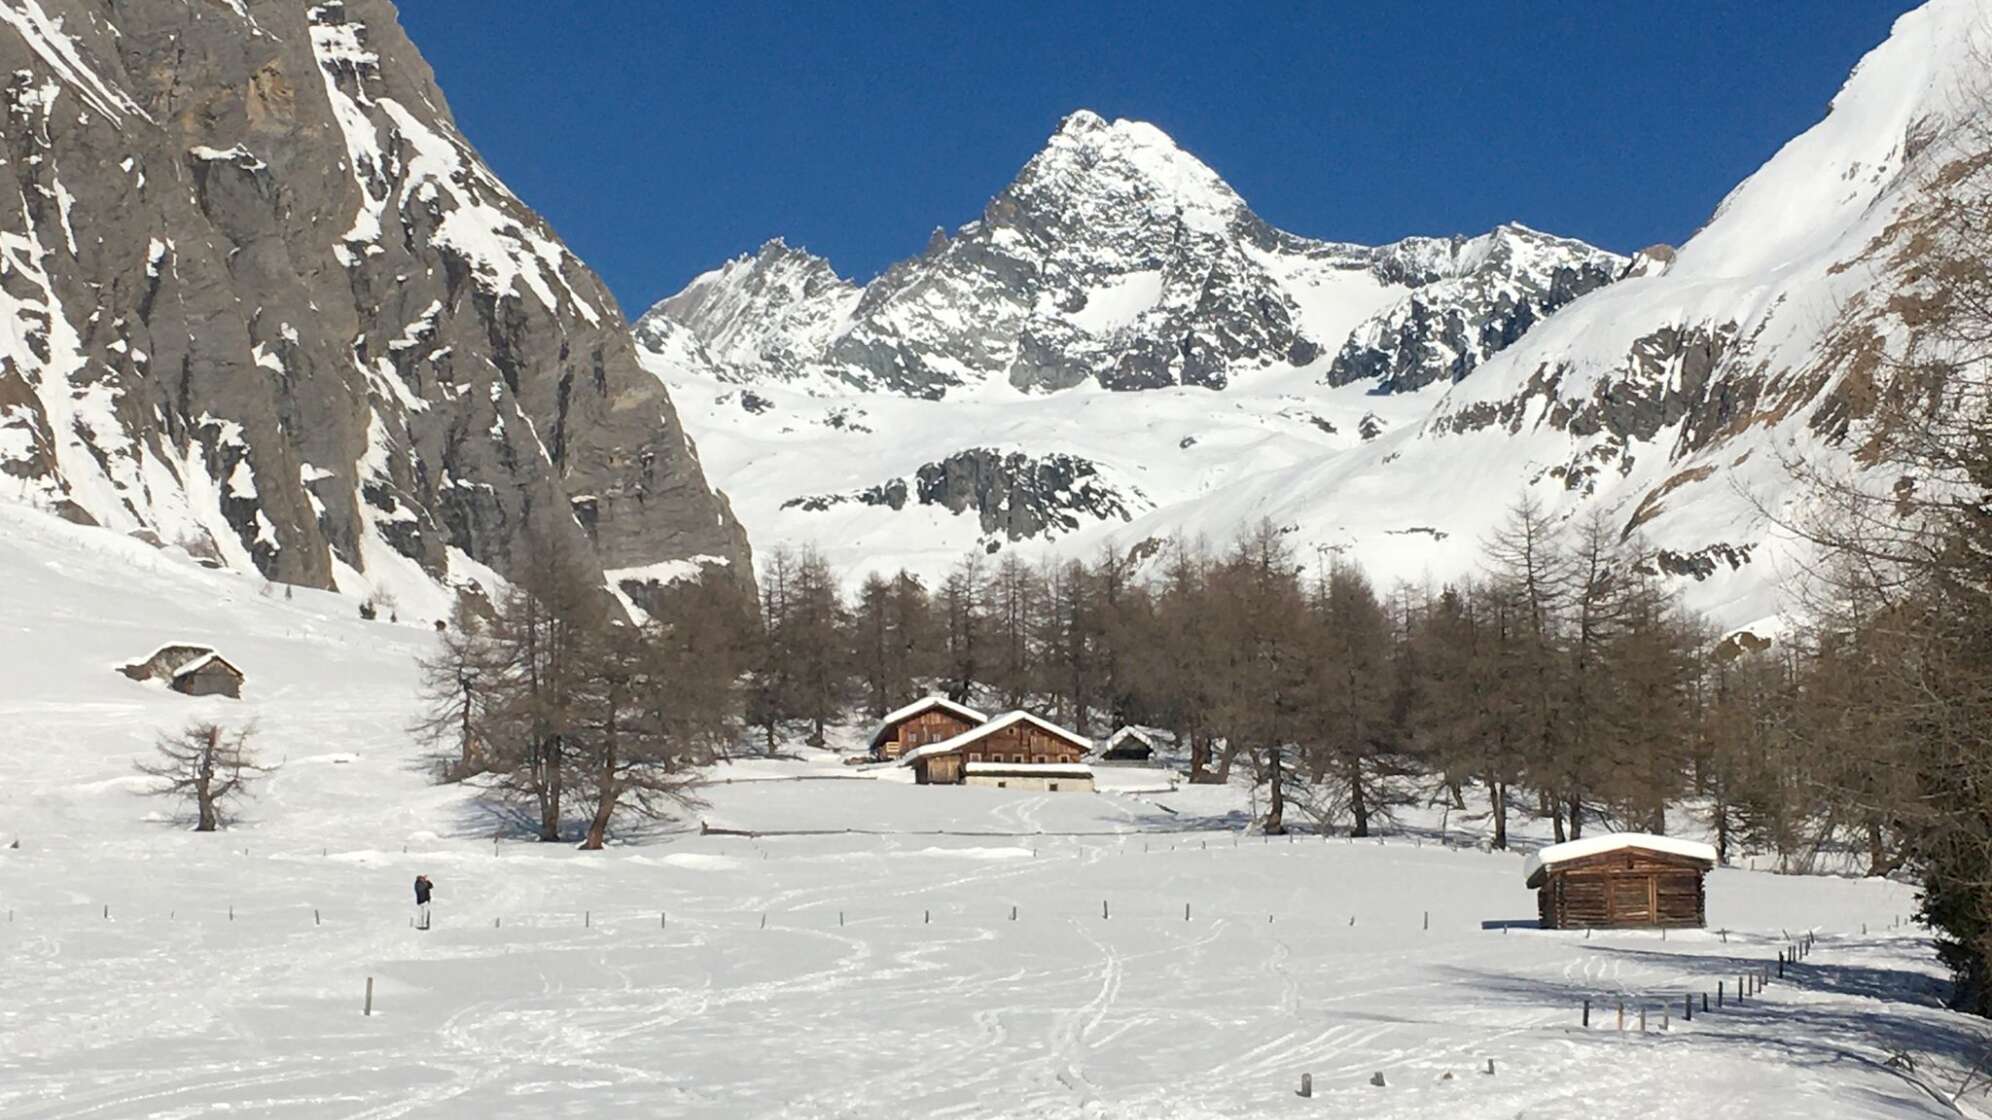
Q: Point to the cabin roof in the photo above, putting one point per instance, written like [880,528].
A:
[1031,769]
[204,661]
[1130,732]
[1007,719]
[923,704]
[1544,858]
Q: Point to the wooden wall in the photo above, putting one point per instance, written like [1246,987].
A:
[1632,888]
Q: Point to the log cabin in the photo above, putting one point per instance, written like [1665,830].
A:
[1621,880]
[1015,749]
[927,720]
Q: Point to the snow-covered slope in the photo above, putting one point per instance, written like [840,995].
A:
[1678,400]
[1387,404]
[155,972]
[261,302]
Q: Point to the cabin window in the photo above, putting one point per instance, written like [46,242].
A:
[1002,785]
[1053,785]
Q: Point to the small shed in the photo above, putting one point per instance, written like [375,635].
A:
[1129,744]
[213,675]
[190,669]
[1621,880]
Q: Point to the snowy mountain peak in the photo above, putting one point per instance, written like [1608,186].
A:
[1127,171]
[761,314]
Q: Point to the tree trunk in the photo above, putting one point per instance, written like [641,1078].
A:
[1276,798]
[1880,863]
[1458,795]
[550,789]
[605,808]
[1497,796]
[1576,816]
[1721,832]
[1358,804]
[1200,761]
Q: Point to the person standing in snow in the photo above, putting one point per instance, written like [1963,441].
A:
[423,889]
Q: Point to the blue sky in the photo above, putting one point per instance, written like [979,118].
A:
[661,138]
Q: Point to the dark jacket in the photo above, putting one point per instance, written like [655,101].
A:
[422,888]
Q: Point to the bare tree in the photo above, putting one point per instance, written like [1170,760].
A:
[206,766]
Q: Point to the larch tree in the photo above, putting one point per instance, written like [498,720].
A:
[206,766]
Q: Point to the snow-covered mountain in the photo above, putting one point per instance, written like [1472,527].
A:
[264,304]
[1117,335]
[1384,403]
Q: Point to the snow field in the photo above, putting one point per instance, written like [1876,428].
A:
[875,974]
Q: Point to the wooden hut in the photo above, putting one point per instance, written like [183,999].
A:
[1129,744]
[1015,739]
[928,720]
[212,675]
[189,669]
[1621,879]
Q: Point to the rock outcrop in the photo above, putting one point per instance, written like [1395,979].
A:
[268,306]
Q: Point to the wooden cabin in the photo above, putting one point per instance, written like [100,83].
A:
[189,669]
[928,720]
[1621,880]
[1129,744]
[1014,739]
[212,675]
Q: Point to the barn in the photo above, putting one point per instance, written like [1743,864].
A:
[928,720]
[1018,744]
[1621,879]
[190,669]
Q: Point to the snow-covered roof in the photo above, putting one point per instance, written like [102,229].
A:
[202,662]
[1130,732]
[1007,719]
[1612,842]
[1032,769]
[921,705]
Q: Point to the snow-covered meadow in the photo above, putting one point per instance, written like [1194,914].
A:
[961,952]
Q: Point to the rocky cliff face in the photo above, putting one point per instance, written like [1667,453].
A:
[268,306]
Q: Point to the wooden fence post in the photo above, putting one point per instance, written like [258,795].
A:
[1621,1015]
[314,917]
[1688,1007]
[1306,1084]
[1587,1012]
[370,997]
[1718,993]
[1103,909]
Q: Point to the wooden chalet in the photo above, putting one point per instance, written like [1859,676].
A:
[1018,744]
[928,720]
[1620,880]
